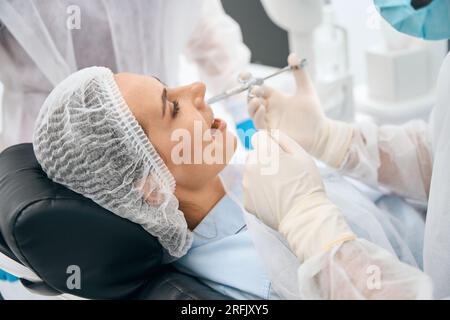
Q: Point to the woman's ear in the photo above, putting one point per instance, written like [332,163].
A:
[154,198]
[151,191]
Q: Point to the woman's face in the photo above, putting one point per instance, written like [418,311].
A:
[193,144]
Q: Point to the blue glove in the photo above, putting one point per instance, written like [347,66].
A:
[431,22]
[5,276]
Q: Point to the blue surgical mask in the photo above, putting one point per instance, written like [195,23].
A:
[431,22]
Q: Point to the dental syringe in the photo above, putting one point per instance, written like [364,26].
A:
[248,81]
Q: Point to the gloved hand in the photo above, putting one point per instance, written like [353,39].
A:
[302,118]
[291,199]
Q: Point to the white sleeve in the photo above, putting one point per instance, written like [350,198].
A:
[396,157]
[358,270]
[216,47]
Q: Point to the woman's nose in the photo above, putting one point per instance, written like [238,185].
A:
[194,92]
[198,90]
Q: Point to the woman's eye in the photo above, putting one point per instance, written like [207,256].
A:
[175,108]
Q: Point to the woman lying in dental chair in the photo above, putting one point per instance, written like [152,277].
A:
[116,139]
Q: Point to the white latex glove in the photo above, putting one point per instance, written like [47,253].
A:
[302,118]
[292,198]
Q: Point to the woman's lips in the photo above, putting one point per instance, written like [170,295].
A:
[219,124]
[216,123]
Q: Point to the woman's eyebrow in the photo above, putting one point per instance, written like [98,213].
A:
[164,101]
[163,96]
[165,85]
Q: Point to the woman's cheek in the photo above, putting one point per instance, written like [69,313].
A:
[230,146]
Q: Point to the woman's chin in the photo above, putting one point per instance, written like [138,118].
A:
[225,147]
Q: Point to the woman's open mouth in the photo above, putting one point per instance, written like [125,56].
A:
[218,124]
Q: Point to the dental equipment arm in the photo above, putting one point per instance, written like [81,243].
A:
[334,263]
[396,157]
[217,48]
[300,19]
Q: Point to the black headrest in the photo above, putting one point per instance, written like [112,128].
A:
[50,228]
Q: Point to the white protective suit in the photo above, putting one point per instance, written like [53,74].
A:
[410,160]
[333,261]
[43,42]
[413,160]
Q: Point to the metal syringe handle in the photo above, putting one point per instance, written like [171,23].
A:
[227,94]
[252,82]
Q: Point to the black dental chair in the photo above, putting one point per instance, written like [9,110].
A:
[48,228]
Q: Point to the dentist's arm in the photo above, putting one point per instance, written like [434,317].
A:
[397,157]
[289,196]
[217,48]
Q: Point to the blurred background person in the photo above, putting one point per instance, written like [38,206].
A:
[42,42]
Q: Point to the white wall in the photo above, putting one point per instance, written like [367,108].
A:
[1,109]
[361,20]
